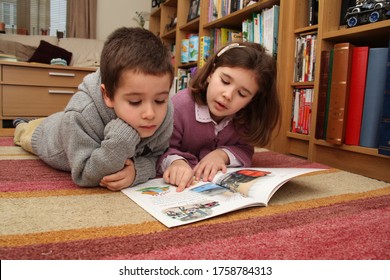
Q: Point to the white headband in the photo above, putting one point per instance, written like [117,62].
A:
[228,47]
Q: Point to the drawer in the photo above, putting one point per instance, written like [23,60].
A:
[31,101]
[60,77]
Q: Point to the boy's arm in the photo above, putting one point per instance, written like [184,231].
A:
[91,158]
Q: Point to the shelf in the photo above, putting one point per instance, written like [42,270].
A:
[306,30]
[302,84]
[171,34]
[187,65]
[191,25]
[298,136]
[350,148]
[369,34]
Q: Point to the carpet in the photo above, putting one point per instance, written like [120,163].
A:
[331,214]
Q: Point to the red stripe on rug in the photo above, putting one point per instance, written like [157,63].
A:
[306,234]
[31,175]
[354,236]
[6,141]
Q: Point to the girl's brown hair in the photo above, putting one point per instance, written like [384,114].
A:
[133,48]
[261,115]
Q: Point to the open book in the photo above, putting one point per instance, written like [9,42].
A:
[236,189]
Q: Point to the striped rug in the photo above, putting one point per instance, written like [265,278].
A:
[331,214]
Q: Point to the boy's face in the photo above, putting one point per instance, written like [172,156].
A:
[141,100]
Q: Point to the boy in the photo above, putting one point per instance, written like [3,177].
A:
[118,123]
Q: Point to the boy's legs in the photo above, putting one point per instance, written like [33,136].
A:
[24,132]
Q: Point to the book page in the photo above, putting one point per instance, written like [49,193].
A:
[240,188]
[258,183]
[201,201]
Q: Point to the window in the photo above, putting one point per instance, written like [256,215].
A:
[34,16]
[8,13]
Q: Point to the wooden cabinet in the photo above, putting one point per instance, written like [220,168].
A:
[356,159]
[293,22]
[35,90]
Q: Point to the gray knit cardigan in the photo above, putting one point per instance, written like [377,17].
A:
[89,140]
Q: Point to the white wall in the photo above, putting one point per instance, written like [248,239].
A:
[112,14]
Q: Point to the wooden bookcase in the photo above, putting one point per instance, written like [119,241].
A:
[293,21]
[356,159]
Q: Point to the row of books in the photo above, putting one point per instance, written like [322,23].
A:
[220,8]
[182,79]
[263,28]
[221,36]
[301,111]
[353,100]
[305,54]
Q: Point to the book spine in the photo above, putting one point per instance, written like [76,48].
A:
[185,46]
[339,93]
[193,47]
[356,96]
[313,12]
[204,51]
[384,129]
[322,94]
[328,92]
[373,97]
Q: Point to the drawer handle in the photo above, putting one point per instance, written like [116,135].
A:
[62,74]
[52,91]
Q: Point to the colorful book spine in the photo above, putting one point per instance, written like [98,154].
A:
[322,94]
[185,47]
[328,93]
[373,97]
[204,50]
[356,95]
[339,94]
[193,48]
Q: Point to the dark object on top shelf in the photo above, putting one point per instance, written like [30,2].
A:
[367,11]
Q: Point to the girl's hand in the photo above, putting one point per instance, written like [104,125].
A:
[209,165]
[121,179]
[180,174]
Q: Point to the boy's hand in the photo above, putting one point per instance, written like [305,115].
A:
[209,165]
[180,174]
[121,179]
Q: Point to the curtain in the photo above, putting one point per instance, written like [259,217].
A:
[82,19]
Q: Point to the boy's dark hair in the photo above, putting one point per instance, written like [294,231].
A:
[133,48]
[261,115]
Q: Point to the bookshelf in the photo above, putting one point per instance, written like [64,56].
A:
[293,22]
[356,159]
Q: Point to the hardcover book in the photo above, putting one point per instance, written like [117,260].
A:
[339,93]
[373,97]
[356,95]
[328,93]
[322,94]
[238,188]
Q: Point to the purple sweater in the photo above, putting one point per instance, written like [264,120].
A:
[193,140]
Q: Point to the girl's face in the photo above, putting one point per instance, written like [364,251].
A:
[230,90]
[141,100]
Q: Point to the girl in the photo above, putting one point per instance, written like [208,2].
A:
[230,107]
